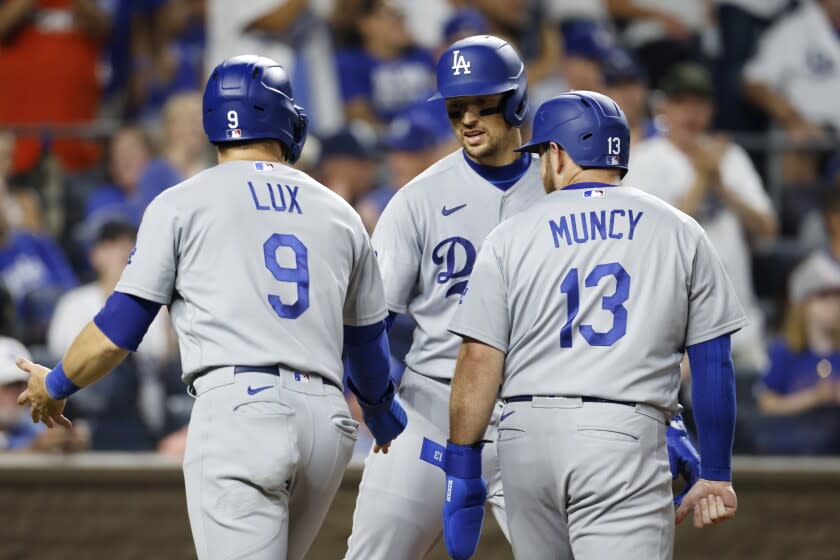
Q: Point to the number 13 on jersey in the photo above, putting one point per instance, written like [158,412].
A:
[613,303]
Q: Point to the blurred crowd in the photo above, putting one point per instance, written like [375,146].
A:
[730,103]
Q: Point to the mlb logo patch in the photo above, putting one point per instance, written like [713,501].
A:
[263,166]
[612,160]
[596,193]
[301,377]
[234,133]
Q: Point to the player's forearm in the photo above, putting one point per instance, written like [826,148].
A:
[369,360]
[91,356]
[478,375]
[713,400]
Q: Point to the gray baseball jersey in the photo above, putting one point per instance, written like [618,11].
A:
[596,292]
[260,265]
[427,241]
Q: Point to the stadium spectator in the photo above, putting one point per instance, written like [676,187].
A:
[348,162]
[662,32]
[795,75]
[535,38]
[821,227]
[803,380]
[17,432]
[163,64]
[740,24]
[382,72]
[413,144]
[461,24]
[588,45]
[570,11]
[713,180]
[125,411]
[56,46]
[254,27]
[128,155]
[185,148]
[626,82]
[34,271]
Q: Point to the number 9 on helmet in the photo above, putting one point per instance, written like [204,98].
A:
[250,98]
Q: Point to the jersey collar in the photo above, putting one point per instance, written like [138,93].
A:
[581,186]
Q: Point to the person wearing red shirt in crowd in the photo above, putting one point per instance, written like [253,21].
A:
[49,53]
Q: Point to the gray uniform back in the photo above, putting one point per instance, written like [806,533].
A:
[260,265]
[596,292]
[427,241]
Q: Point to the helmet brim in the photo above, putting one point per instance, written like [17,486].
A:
[472,90]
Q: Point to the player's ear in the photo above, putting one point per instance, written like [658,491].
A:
[555,154]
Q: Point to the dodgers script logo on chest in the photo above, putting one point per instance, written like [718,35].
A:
[456,256]
[460,63]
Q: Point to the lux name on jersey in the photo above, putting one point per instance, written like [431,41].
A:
[594,225]
[275,197]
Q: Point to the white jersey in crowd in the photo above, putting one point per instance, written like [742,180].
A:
[253,259]
[427,241]
[664,171]
[596,292]
[800,57]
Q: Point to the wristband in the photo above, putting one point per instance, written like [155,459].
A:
[58,385]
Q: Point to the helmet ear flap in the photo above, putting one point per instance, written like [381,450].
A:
[515,107]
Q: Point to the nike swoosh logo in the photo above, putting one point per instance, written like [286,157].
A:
[252,391]
[505,415]
[447,211]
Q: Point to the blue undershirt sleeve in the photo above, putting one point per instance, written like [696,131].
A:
[369,360]
[125,318]
[713,403]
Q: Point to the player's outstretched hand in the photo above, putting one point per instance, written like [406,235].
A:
[385,419]
[711,501]
[466,492]
[682,456]
[42,407]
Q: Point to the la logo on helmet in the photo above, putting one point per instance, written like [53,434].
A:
[459,63]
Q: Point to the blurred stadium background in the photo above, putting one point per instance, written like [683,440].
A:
[735,119]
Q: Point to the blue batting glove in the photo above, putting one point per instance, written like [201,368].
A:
[466,492]
[682,456]
[385,419]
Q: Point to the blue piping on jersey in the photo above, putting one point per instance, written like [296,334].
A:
[592,185]
[502,177]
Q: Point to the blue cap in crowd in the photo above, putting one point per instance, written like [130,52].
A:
[620,67]
[412,131]
[467,22]
[588,39]
[351,141]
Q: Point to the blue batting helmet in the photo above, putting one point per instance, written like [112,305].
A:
[250,98]
[484,65]
[589,126]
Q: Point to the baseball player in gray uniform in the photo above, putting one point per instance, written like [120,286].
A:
[581,309]
[267,274]
[427,241]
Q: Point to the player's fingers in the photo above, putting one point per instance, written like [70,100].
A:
[723,513]
[64,421]
[46,419]
[704,510]
[35,412]
[698,517]
[24,364]
[23,398]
